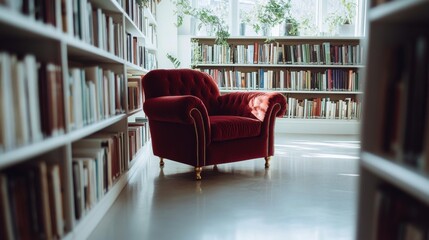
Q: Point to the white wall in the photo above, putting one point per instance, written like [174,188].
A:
[167,33]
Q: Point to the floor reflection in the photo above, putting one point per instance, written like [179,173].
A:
[309,192]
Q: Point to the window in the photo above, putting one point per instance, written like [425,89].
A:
[314,17]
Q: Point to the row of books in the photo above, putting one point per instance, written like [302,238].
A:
[135,12]
[132,7]
[140,55]
[134,94]
[135,50]
[406,78]
[323,108]
[97,27]
[137,136]
[94,94]
[32,103]
[138,15]
[98,162]
[91,24]
[52,12]
[277,53]
[150,60]
[32,201]
[399,216]
[151,6]
[151,35]
[327,80]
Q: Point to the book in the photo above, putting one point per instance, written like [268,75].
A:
[105,144]
[78,188]
[55,199]
[5,207]
[20,204]
[33,98]
[44,201]
[100,158]
[19,88]
[7,140]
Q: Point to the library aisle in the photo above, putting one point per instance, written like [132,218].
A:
[309,192]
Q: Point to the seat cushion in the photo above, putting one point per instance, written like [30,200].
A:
[233,127]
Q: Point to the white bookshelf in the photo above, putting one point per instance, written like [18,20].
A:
[400,175]
[393,192]
[229,62]
[279,65]
[22,35]
[85,227]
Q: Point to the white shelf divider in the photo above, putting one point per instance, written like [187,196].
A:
[25,152]
[400,175]
[400,10]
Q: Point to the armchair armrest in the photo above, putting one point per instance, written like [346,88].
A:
[259,105]
[175,109]
[252,104]
[184,109]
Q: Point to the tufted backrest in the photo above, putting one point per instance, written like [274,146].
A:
[176,82]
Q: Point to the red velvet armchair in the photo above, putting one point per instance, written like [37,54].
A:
[190,122]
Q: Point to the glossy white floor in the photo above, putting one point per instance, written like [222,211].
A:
[309,192]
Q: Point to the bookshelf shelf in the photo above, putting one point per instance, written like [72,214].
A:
[402,176]
[291,38]
[25,152]
[199,65]
[65,82]
[24,26]
[394,165]
[134,69]
[397,11]
[132,28]
[150,16]
[132,112]
[291,91]
[110,5]
[86,52]
[286,65]
[151,47]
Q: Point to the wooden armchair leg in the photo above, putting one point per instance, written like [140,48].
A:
[161,162]
[198,173]
[267,161]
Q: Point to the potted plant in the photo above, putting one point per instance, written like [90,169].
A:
[143,3]
[176,63]
[342,20]
[266,15]
[206,18]
[290,26]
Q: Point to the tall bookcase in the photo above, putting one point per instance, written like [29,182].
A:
[70,75]
[394,192]
[319,76]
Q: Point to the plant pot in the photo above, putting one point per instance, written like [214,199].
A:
[242,29]
[346,30]
[290,30]
[266,30]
